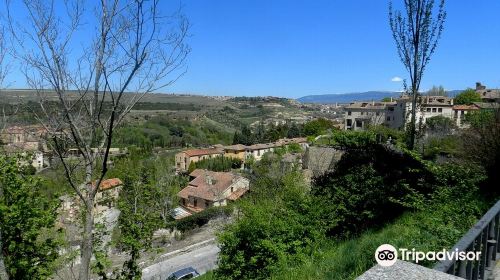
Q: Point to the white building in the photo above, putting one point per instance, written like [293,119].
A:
[360,115]
[427,107]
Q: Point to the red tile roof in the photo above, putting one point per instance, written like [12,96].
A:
[110,183]
[196,172]
[237,194]
[209,185]
[465,107]
[202,152]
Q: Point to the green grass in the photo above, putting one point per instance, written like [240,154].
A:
[424,231]
[434,229]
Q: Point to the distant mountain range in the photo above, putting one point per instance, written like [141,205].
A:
[356,96]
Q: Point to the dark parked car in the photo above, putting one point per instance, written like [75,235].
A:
[185,273]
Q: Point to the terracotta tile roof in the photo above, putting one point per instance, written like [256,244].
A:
[263,146]
[370,105]
[110,183]
[209,185]
[202,152]
[237,194]
[465,107]
[238,147]
[196,172]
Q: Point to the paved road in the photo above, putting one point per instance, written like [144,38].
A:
[201,259]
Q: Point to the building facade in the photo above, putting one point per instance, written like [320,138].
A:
[209,188]
[185,158]
[242,152]
[361,115]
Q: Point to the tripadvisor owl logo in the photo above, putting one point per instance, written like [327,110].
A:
[386,255]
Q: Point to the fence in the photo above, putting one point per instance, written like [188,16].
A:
[483,237]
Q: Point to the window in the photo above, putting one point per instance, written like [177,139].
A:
[195,202]
[232,189]
[362,113]
[388,118]
[440,110]
[434,110]
[349,122]
[462,113]
[348,113]
[428,109]
[359,124]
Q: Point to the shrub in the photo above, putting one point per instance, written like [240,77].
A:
[200,219]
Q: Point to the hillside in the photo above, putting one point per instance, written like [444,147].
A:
[347,97]
[356,96]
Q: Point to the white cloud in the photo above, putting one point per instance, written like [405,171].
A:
[396,79]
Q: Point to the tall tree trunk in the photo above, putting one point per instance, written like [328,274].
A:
[413,124]
[87,241]
[3,271]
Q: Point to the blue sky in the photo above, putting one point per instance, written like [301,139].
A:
[296,48]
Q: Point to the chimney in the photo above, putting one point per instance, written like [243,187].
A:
[209,179]
[479,86]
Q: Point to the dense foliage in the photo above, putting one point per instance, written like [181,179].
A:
[29,240]
[467,97]
[282,225]
[267,133]
[146,199]
[273,223]
[218,164]
[166,133]
[481,145]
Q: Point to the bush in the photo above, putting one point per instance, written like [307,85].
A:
[348,139]
[218,164]
[200,219]
[367,187]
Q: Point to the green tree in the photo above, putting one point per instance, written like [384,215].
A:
[440,125]
[437,91]
[387,99]
[138,220]
[467,97]
[29,241]
[294,131]
[274,224]
[317,127]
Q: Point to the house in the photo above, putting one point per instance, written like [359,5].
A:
[235,151]
[427,107]
[105,200]
[108,193]
[22,135]
[360,115]
[258,150]
[488,95]
[209,188]
[26,141]
[185,158]
[460,111]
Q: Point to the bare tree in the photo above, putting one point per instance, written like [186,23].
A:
[416,33]
[89,75]
[3,73]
